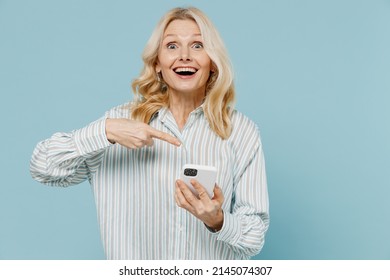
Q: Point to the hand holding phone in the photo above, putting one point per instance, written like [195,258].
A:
[205,175]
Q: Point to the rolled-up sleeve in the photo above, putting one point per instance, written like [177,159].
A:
[67,159]
[247,221]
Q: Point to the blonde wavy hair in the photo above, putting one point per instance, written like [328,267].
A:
[152,93]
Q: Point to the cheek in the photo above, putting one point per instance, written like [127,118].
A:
[205,63]
[166,59]
[206,68]
[161,64]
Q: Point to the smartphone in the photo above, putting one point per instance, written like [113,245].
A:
[204,174]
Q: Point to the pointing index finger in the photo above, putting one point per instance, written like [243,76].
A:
[165,137]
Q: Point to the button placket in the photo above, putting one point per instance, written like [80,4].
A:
[169,122]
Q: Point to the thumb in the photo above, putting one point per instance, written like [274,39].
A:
[218,194]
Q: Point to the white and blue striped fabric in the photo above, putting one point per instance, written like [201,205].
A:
[134,189]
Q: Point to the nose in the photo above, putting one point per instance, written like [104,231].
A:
[185,54]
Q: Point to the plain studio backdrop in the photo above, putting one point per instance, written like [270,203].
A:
[314,76]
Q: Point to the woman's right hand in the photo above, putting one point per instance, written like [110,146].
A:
[134,134]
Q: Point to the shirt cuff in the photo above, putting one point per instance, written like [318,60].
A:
[91,138]
[231,229]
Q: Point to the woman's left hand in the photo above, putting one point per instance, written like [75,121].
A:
[206,209]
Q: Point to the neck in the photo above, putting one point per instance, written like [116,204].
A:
[181,105]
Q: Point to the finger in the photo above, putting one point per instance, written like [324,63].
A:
[202,193]
[149,142]
[181,201]
[164,136]
[218,194]
[177,197]
[187,193]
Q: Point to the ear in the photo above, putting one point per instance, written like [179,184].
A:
[157,67]
[213,67]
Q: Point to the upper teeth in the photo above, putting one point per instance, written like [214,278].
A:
[185,69]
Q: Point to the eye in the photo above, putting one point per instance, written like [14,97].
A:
[197,45]
[171,46]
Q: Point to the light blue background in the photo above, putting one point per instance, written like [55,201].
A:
[314,75]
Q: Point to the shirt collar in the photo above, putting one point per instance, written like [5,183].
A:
[161,114]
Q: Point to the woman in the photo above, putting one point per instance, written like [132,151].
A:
[133,155]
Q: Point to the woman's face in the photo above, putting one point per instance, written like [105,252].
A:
[182,60]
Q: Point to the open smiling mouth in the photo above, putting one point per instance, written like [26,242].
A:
[185,71]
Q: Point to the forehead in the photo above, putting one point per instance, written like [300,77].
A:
[182,28]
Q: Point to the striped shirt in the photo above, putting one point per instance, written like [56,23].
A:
[134,188]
